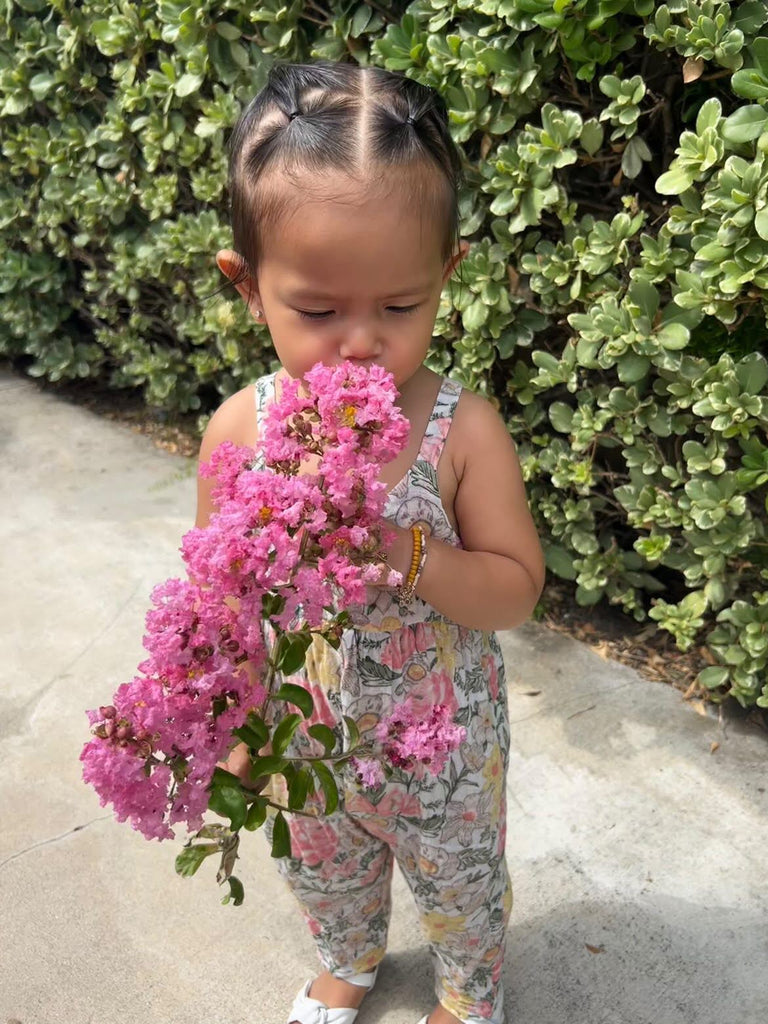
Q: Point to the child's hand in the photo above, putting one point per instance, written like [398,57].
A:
[397,554]
[239,764]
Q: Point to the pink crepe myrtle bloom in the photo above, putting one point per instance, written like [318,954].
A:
[409,738]
[300,545]
[369,771]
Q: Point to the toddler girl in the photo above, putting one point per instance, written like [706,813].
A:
[343,184]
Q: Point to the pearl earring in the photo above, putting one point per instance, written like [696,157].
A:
[258,313]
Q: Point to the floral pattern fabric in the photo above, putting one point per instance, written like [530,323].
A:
[446,832]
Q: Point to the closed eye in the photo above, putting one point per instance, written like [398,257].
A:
[311,315]
[308,314]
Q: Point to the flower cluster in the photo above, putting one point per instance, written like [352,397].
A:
[409,739]
[286,547]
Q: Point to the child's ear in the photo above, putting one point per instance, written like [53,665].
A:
[234,267]
[454,260]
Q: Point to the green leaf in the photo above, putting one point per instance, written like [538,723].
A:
[632,157]
[632,368]
[249,736]
[270,764]
[272,604]
[475,315]
[240,55]
[586,597]
[643,295]
[561,417]
[761,223]
[353,731]
[257,814]
[750,84]
[713,677]
[188,84]
[324,735]
[256,724]
[674,181]
[229,802]
[191,857]
[283,734]
[297,695]
[592,135]
[291,652]
[749,17]
[745,124]
[40,85]
[281,837]
[709,114]
[758,50]
[328,784]
[560,562]
[227,31]
[673,336]
[299,788]
[545,360]
[752,373]
[360,20]
[236,892]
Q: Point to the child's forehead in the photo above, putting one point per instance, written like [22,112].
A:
[332,226]
[413,194]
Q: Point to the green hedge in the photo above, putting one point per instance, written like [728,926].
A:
[613,302]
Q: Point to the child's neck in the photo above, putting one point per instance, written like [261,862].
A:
[413,393]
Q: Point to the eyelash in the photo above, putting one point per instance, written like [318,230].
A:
[398,310]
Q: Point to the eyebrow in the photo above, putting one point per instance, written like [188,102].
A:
[308,295]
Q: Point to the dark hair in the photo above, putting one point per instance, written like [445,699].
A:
[329,116]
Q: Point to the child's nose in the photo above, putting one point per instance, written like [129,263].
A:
[360,342]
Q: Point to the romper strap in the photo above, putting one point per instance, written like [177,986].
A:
[439,423]
[263,392]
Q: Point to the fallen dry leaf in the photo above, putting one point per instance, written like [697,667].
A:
[602,649]
[714,746]
[707,655]
[691,690]
[692,69]
[595,949]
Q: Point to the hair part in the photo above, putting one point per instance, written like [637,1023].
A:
[330,119]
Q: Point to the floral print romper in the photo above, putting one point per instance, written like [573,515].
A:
[446,832]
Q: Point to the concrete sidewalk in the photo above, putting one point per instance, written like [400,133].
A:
[639,857]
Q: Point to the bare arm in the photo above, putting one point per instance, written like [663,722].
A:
[234,421]
[495,580]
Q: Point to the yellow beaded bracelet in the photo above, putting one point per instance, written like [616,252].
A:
[406,592]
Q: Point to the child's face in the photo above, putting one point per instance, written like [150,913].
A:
[355,279]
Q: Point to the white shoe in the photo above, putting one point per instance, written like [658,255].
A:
[424,1019]
[306,1010]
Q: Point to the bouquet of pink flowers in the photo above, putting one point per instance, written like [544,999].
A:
[283,558]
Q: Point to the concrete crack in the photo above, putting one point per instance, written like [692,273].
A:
[13,724]
[556,708]
[53,839]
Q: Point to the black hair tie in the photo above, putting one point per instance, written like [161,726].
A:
[410,120]
[293,115]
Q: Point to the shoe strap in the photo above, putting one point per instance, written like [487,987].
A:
[367,980]
[307,1010]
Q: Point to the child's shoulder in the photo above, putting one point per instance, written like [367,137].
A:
[476,417]
[235,420]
